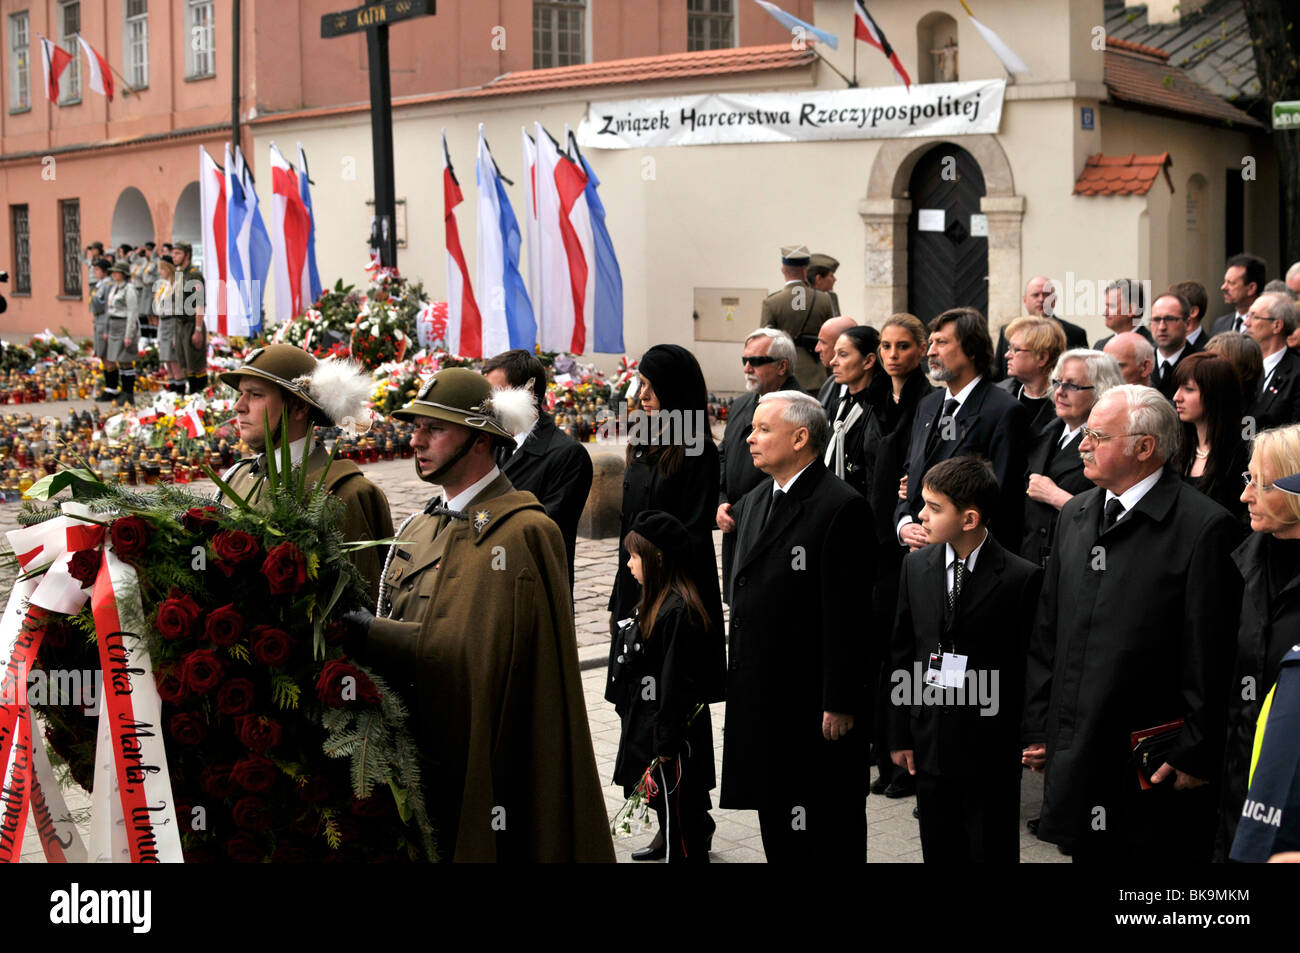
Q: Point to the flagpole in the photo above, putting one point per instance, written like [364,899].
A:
[852,83]
[853,38]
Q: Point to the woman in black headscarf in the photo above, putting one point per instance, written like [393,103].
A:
[673,466]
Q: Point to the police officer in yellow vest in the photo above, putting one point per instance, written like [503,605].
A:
[799,309]
[325,393]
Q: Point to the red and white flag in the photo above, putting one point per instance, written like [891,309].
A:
[55,59]
[561,312]
[191,421]
[464,323]
[212,224]
[101,76]
[865,29]
[532,231]
[290,235]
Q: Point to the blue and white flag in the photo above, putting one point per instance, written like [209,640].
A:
[249,249]
[507,312]
[304,188]
[608,316]
[794,24]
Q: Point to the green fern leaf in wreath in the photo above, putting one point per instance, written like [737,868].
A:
[285,692]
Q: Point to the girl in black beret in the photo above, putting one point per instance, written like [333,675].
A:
[659,678]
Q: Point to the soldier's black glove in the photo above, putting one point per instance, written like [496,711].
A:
[358,622]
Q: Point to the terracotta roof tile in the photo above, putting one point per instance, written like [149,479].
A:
[641,69]
[1141,77]
[1121,175]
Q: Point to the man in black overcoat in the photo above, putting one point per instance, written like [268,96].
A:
[968,415]
[1133,632]
[1276,399]
[795,669]
[768,360]
[546,462]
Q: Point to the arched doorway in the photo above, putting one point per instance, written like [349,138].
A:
[948,264]
[186,224]
[132,220]
[887,209]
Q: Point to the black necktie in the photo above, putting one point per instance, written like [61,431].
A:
[958,577]
[945,414]
[775,507]
[1237,322]
[1114,509]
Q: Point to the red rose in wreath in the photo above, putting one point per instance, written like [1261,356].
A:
[84,567]
[234,548]
[243,848]
[187,728]
[252,813]
[235,697]
[129,535]
[215,780]
[202,671]
[254,774]
[271,646]
[224,626]
[341,683]
[177,616]
[201,520]
[285,569]
[171,687]
[259,733]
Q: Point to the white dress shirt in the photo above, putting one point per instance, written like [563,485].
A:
[1133,495]
[466,496]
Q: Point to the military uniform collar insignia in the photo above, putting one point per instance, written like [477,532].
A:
[481,520]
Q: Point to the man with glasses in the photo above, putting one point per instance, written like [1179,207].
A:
[1276,401]
[1169,316]
[768,362]
[1129,642]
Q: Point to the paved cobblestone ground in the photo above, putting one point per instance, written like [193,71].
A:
[891,829]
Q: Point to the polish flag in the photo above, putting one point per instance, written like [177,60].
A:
[865,29]
[580,217]
[212,215]
[55,59]
[464,323]
[290,232]
[557,247]
[191,421]
[531,230]
[101,77]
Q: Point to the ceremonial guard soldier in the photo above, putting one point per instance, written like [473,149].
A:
[799,309]
[477,622]
[191,335]
[123,330]
[325,393]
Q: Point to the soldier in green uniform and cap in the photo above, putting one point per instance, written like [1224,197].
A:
[799,309]
[123,331]
[475,617]
[325,393]
[191,335]
[821,275]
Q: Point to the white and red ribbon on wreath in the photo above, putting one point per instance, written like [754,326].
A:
[133,816]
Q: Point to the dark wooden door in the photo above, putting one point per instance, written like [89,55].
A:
[946,269]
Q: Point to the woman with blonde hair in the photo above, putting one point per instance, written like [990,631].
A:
[1269,561]
[1033,347]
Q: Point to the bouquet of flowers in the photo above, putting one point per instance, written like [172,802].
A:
[380,336]
[279,746]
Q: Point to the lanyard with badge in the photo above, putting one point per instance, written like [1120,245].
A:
[948,669]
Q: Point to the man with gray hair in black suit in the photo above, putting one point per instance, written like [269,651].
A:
[795,668]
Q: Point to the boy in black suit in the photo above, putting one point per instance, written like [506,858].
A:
[965,608]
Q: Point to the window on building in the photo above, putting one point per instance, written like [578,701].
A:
[20,89]
[199,58]
[69,27]
[135,39]
[559,33]
[70,245]
[710,24]
[22,249]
